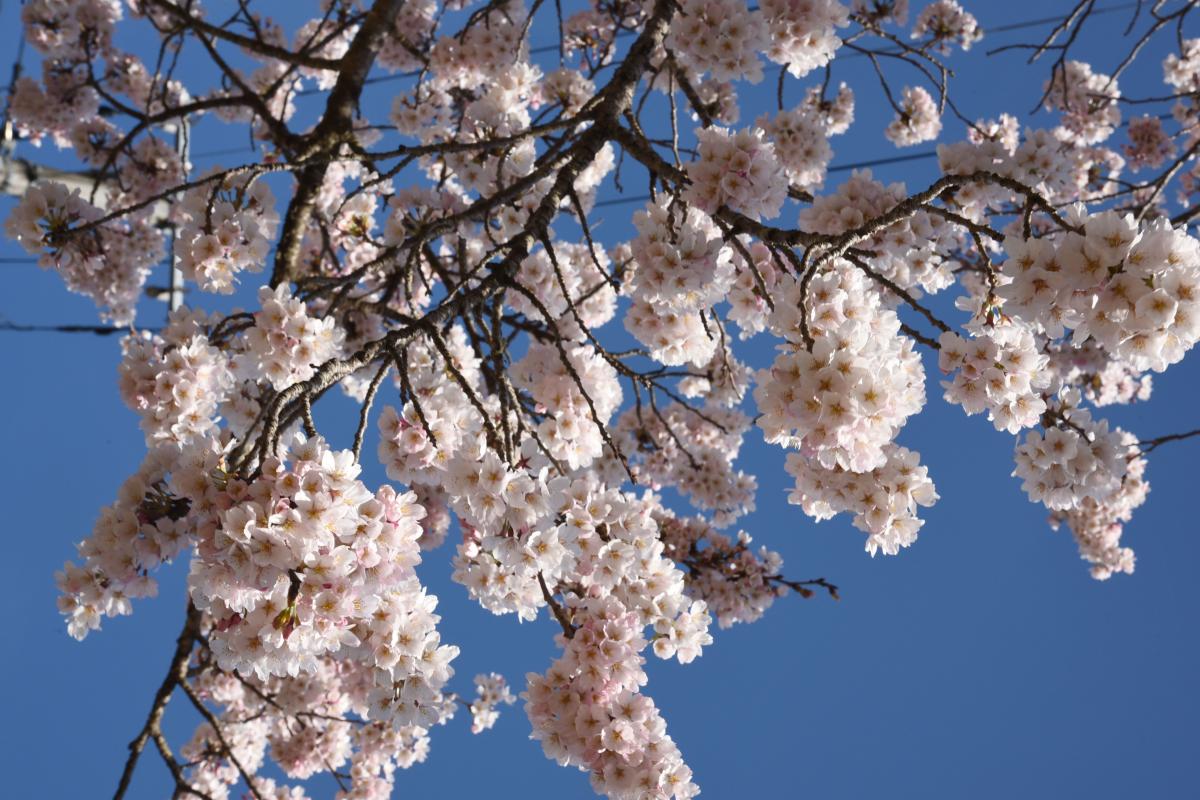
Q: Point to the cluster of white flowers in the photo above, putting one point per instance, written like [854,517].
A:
[837,114]
[723,381]
[1062,171]
[906,252]
[108,263]
[944,22]
[672,337]
[1087,101]
[569,393]
[144,528]
[587,711]
[756,279]
[56,28]
[680,261]
[842,401]
[1134,290]
[1097,525]
[693,451]
[55,108]
[1005,131]
[285,345]
[877,12]
[304,562]
[223,231]
[1183,71]
[501,109]
[1081,458]
[305,724]
[413,441]
[175,381]
[414,24]
[483,52]
[491,690]
[1001,373]
[738,170]
[918,118]
[1101,379]
[803,32]
[800,143]
[737,583]
[883,500]
[723,37]
[568,88]
[1149,145]
[1091,479]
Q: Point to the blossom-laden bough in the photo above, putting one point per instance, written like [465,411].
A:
[446,262]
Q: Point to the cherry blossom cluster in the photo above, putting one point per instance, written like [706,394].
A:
[224,231]
[722,37]
[945,22]
[55,109]
[680,261]
[672,337]
[1183,70]
[286,344]
[736,169]
[484,51]
[582,271]
[1097,525]
[800,143]
[1149,145]
[1101,379]
[306,724]
[918,118]
[1132,289]
[304,562]
[1078,459]
[1001,372]
[143,529]
[735,582]
[877,12]
[756,278]
[1060,170]
[577,390]
[804,32]
[883,501]
[907,252]
[692,451]
[1087,101]
[56,28]
[413,441]
[587,711]
[177,380]
[491,690]
[837,114]
[1091,479]
[724,381]
[107,262]
[841,397]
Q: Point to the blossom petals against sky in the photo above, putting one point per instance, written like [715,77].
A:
[489,545]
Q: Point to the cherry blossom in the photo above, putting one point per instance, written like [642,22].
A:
[552,368]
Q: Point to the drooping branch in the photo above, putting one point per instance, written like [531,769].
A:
[176,676]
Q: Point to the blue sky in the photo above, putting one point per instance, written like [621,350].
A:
[983,661]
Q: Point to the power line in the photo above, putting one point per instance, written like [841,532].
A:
[95,330]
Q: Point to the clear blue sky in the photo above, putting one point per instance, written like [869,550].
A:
[981,662]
